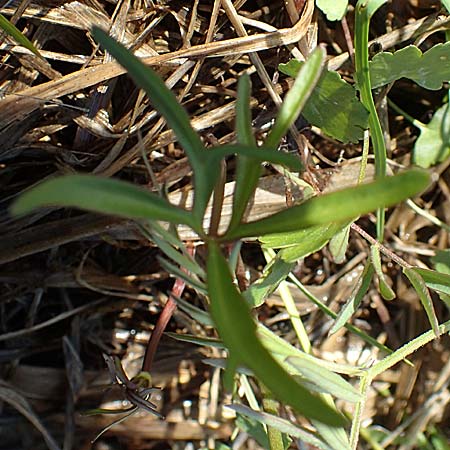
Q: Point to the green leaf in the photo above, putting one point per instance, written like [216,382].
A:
[420,287]
[324,379]
[280,424]
[356,296]
[338,206]
[338,245]
[295,99]
[102,195]
[247,169]
[429,70]
[274,273]
[238,331]
[312,239]
[385,290]
[333,106]
[437,281]
[164,100]
[446,3]
[441,261]
[433,144]
[333,9]
[18,36]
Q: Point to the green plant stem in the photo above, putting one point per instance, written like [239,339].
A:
[271,406]
[362,22]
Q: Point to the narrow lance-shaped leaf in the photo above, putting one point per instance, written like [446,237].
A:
[164,100]
[338,206]
[424,296]
[356,296]
[295,99]
[385,290]
[102,195]
[437,281]
[18,36]
[238,331]
[247,169]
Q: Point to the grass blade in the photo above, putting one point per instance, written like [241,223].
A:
[17,35]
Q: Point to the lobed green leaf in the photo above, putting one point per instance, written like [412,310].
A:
[429,70]
[333,106]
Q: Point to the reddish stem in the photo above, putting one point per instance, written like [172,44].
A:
[163,320]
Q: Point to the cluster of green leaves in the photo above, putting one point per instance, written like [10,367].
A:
[293,377]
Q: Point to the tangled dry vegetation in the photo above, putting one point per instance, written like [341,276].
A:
[76,285]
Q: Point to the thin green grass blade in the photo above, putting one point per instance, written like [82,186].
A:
[424,295]
[177,272]
[164,100]
[296,98]
[17,35]
[238,331]
[338,206]
[102,195]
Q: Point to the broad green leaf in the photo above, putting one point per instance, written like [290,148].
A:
[333,106]
[385,290]
[338,206]
[338,245]
[420,287]
[102,195]
[358,293]
[295,99]
[165,101]
[18,36]
[247,169]
[446,3]
[313,238]
[274,273]
[429,70]
[433,144]
[333,9]
[280,424]
[238,331]
[437,281]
